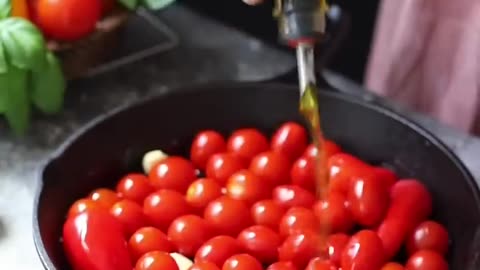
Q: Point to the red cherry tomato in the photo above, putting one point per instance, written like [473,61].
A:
[364,251]
[331,149]
[156,260]
[94,240]
[298,219]
[148,239]
[302,173]
[261,242]
[163,206]
[227,215]
[218,249]
[272,167]
[221,166]
[201,192]
[242,262]
[174,173]
[135,187]
[428,235]
[267,213]
[335,245]
[300,248]
[204,145]
[387,176]
[368,199]
[67,20]
[204,265]
[130,215]
[333,213]
[342,167]
[247,143]
[289,196]
[392,266]
[290,139]
[106,197]
[188,233]
[320,264]
[247,187]
[393,233]
[85,205]
[426,260]
[282,266]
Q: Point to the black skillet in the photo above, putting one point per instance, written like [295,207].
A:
[112,145]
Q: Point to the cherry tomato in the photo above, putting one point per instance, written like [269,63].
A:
[342,167]
[85,205]
[227,215]
[156,260]
[289,196]
[392,266]
[242,262]
[135,187]
[335,245]
[333,213]
[174,173]
[204,145]
[428,235]
[282,266]
[364,251]
[272,167]
[330,147]
[204,265]
[393,232]
[426,260]
[368,199]
[94,240]
[218,249]
[320,264]
[188,233]
[302,173]
[290,139]
[201,192]
[387,176]
[298,219]
[247,143]
[261,242]
[221,166]
[130,215]
[163,206]
[267,213]
[67,20]
[247,187]
[148,239]
[105,197]
[300,248]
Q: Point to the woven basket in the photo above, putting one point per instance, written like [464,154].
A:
[79,57]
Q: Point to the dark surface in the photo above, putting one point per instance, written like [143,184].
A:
[370,132]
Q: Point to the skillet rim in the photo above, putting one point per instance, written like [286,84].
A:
[229,86]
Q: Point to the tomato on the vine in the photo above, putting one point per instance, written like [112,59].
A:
[67,20]
[218,249]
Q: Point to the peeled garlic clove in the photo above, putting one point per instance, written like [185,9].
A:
[183,262]
[151,158]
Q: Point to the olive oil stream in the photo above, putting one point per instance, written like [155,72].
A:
[309,108]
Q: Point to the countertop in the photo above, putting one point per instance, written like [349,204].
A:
[210,53]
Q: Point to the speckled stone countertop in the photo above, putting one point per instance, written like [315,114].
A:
[211,52]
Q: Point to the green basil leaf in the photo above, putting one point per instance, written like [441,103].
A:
[24,44]
[48,86]
[5,9]
[3,92]
[130,4]
[17,110]
[157,4]
[3,59]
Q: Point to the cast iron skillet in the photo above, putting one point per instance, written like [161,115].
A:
[113,145]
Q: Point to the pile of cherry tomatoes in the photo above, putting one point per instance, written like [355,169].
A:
[248,203]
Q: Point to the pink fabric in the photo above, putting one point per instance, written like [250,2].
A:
[426,54]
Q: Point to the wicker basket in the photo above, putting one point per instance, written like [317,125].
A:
[80,56]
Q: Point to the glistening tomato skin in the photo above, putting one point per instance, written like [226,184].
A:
[221,166]
[165,205]
[135,187]
[426,260]
[204,145]
[130,215]
[218,249]
[320,264]
[261,242]
[174,172]
[392,266]
[298,219]
[188,233]
[300,248]
[242,262]
[227,215]
[271,167]
[267,213]
[342,167]
[364,251]
[330,148]
[302,173]
[335,245]
[90,247]
[333,214]
[290,196]
[156,260]
[282,266]
[429,235]
[290,139]
[247,143]
[148,239]
[67,20]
